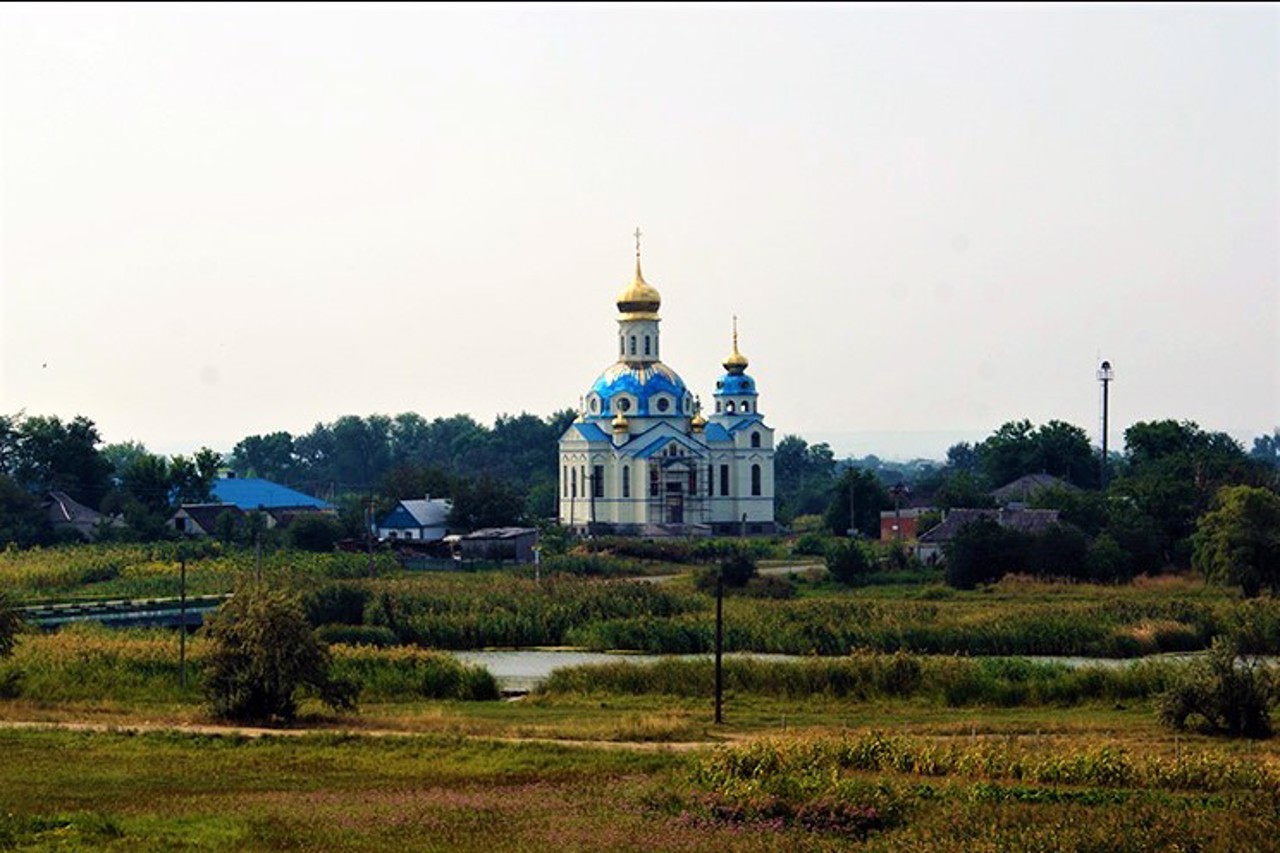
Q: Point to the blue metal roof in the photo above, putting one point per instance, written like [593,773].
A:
[737,385]
[250,493]
[664,440]
[642,382]
[752,419]
[715,432]
[591,432]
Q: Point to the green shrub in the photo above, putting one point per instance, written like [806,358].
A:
[1223,694]
[262,651]
[811,545]
[314,531]
[847,561]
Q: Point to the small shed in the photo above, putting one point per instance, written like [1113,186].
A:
[424,520]
[500,543]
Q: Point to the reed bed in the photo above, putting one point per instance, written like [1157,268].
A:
[89,663]
[952,681]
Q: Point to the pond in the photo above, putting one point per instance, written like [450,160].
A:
[521,670]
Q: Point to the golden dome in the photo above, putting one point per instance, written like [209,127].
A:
[736,362]
[699,423]
[639,297]
[620,423]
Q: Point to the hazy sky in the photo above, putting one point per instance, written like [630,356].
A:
[224,220]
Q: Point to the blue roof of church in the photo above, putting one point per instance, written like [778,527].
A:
[662,442]
[641,382]
[250,493]
[591,432]
[715,432]
[736,384]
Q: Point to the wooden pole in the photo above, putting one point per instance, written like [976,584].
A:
[719,648]
[182,627]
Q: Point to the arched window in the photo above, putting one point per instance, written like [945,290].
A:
[633,344]
[626,481]
[622,346]
[564,478]
[755,439]
[646,344]
[755,481]
[573,483]
[717,407]
[728,407]
[746,406]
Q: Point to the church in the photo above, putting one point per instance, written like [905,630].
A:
[642,459]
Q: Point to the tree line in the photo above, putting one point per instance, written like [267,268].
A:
[504,474]
[1143,505]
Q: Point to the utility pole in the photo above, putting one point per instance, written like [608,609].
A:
[719,645]
[1105,375]
[182,625]
[853,511]
[368,532]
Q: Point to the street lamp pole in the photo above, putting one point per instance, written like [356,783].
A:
[1105,375]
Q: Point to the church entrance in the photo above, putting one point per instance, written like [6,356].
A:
[674,504]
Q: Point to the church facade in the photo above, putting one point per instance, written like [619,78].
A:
[643,459]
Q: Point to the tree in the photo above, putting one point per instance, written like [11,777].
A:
[1059,551]
[869,497]
[314,531]
[120,456]
[1224,693]
[1172,472]
[736,570]
[262,652]
[485,502]
[1238,542]
[1266,449]
[50,454]
[22,521]
[1017,448]
[983,552]
[963,489]
[1008,453]
[803,477]
[847,561]
[269,456]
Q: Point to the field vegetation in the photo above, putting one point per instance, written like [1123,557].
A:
[913,722]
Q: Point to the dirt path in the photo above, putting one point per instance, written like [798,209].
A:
[211,729]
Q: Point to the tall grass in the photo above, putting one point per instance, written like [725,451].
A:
[511,611]
[952,681]
[86,662]
[153,570]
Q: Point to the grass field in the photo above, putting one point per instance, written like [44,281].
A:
[886,749]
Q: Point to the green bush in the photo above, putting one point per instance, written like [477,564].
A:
[811,545]
[314,531]
[847,561]
[1222,694]
[262,651]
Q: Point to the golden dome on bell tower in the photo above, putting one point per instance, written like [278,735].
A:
[736,362]
[639,300]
